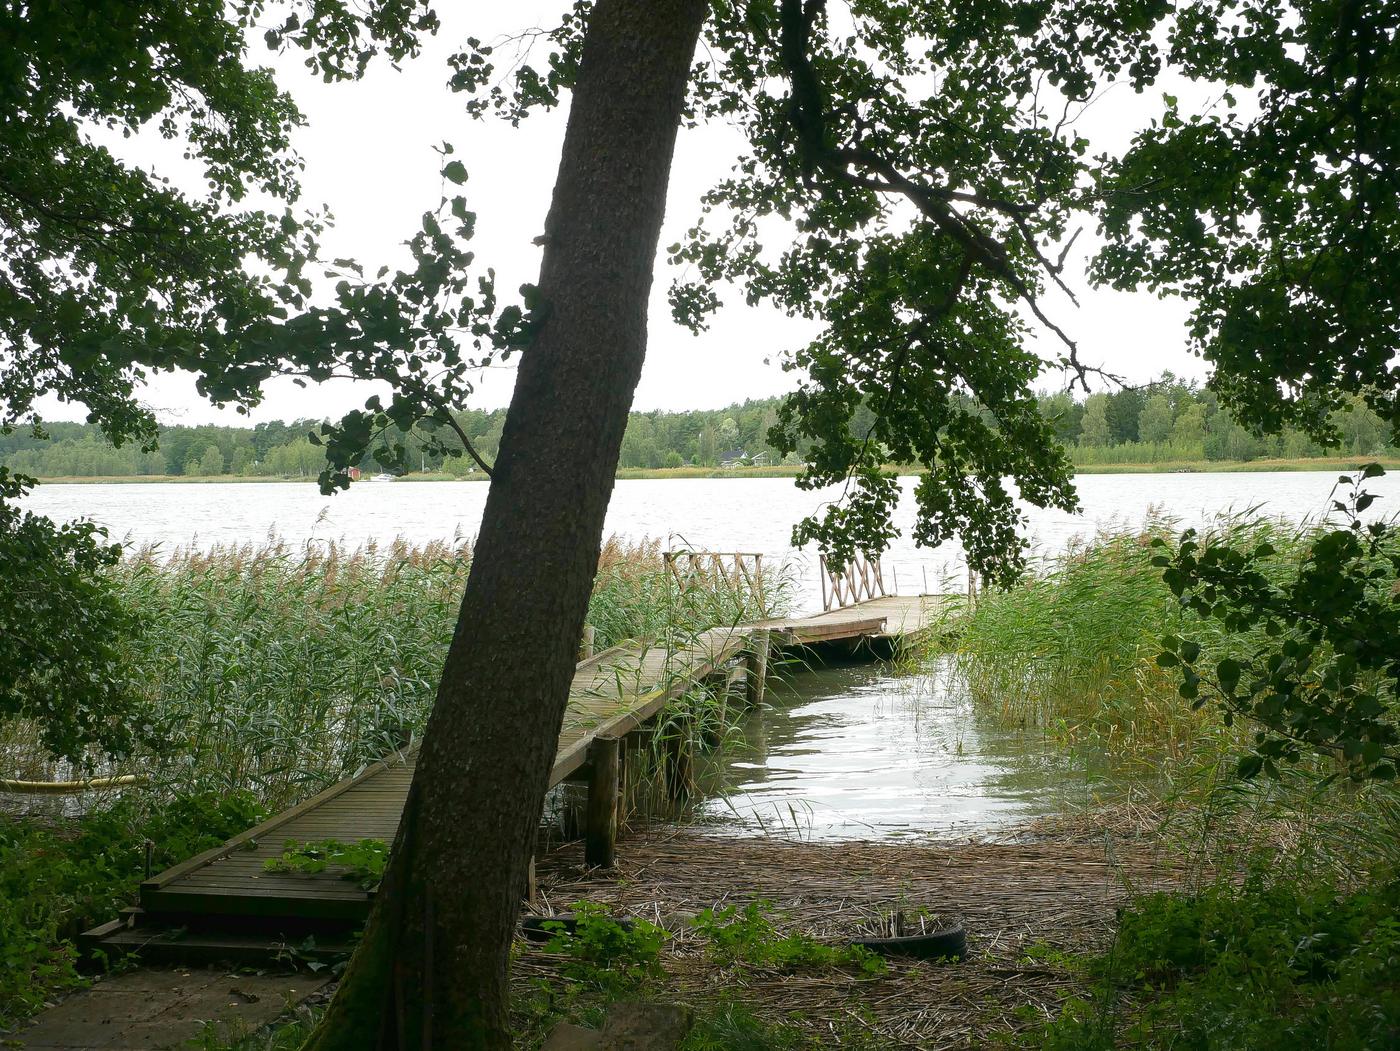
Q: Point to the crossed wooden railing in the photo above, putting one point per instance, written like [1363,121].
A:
[740,571]
[859,581]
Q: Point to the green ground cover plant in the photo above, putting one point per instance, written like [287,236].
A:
[1268,965]
[54,883]
[604,955]
[747,937]
[362,861]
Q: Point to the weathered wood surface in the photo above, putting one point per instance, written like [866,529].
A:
[613,693]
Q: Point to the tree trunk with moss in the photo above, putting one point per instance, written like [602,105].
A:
[432,970]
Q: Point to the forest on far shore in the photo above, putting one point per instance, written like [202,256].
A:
[1165,422]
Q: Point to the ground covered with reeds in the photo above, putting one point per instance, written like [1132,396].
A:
[1028,911]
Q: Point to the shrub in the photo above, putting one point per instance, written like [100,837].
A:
[53,886]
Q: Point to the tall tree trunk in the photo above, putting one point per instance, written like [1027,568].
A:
[432,970]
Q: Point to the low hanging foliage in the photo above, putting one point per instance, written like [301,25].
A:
[1321,673]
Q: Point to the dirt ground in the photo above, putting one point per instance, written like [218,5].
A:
[150,1009]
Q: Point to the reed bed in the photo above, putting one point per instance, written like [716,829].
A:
[279,669]
[1073,649]
[1027,908]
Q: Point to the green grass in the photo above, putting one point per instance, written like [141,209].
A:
[264,674]
[279,671]
[1288,936]
[1073,649]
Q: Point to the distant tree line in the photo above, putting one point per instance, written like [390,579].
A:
[1171,420]
[1163,422]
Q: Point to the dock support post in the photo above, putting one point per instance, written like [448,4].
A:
[680,753]
[600,843]
[585,646]
[756,666]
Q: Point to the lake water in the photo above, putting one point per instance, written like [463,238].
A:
[850,751]
[742,514]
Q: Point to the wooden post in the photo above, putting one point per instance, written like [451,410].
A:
[585,649]
[600,843]
[531,888]
[680,752]
[756,666]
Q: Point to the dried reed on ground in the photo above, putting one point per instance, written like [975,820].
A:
[1025,907]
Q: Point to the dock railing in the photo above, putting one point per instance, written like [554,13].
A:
[859,581]
[741,572]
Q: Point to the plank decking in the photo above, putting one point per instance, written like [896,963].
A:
[613,693]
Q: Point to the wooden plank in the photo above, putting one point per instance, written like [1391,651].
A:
[600,837]
[236,902]
[270,825]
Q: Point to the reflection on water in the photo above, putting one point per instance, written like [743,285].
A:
[853,751]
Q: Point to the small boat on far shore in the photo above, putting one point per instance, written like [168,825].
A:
[384,477]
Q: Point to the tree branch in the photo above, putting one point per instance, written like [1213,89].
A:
[457,428]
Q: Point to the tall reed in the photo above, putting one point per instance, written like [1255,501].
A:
[281,669]
[1073,647]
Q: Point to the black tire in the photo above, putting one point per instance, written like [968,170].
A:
[949,943]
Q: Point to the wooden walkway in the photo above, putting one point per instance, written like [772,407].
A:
[615,692]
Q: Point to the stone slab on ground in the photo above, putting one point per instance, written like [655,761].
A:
[151,1010]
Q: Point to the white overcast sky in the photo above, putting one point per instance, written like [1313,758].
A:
[368,152]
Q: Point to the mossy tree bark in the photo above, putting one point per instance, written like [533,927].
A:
[432,969]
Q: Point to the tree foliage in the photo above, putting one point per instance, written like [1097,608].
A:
[62,632]
[1323,671]
[1274,212]
[109,270]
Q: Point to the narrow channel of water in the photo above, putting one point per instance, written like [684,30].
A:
[854,750]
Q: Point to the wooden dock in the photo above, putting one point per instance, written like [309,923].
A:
[226,904]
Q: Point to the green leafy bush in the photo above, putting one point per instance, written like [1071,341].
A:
[605,954]
[747,937]
[53,886]
[1266,966]
[63,626]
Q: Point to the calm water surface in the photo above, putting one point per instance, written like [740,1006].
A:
[849,751]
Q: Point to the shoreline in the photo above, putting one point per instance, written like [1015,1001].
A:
[1321,463]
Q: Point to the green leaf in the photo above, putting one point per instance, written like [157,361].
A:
[1228,672]
[455,172]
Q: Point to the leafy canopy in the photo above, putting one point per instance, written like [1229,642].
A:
[109,272]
